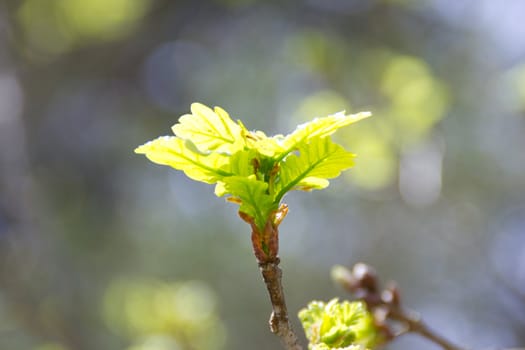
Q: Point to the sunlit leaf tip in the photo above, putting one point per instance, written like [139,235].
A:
[321,127]
[181,155]
[210,130]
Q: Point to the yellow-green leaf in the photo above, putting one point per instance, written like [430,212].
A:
[209,130]
[257,140]
[242,163]
[182,155]
[253,196]
[312,183]
[311,165]
[339,325]
[321,127]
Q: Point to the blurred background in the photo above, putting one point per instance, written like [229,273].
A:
[101,249]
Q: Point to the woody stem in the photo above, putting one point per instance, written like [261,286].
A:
[279,322]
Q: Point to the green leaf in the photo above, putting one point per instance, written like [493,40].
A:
[339,325]
[320,127]
[183,155]
[311,165]
[253,196]
[241,164]
[268,146]
[209,130]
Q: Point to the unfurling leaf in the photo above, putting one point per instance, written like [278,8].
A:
[253,196]
[336,325]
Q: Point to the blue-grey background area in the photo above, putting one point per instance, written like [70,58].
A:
[101,249]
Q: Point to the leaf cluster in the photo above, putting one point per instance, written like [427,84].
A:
[252,169]
[339,325]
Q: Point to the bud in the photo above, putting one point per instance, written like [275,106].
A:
[345,278]
[391,295]
[366,276]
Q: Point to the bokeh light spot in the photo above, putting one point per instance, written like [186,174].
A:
[375,164]
[420,173]
[158,314]
[50,346]
[195,301]
[320,104]
[102,19]
[157,342]
[516,79]
[54,27]
[44,34]
[418,99]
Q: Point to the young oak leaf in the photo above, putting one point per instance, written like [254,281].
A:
[319,127]
[209,130]
[241,164]
[257,140]
[182,155]
[252,196]
[314,163]
[268,146]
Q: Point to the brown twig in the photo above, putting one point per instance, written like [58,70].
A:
[385,305]
[415,324]
[279,322]
[265,243]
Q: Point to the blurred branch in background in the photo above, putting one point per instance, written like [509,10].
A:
[27,289]
[385,304]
